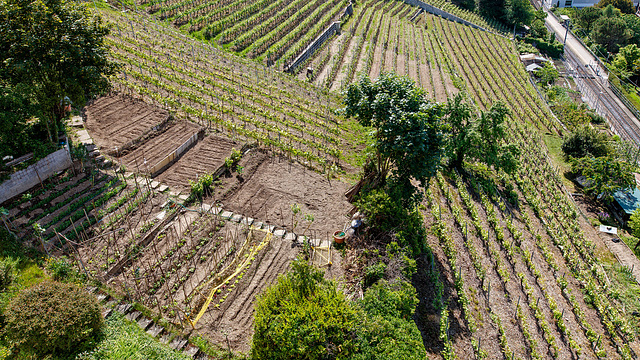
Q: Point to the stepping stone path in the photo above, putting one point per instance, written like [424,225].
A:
[109,305]
[144,323]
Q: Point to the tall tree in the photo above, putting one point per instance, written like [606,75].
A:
[519,12]
[407,129]
[610,32]
[605,175]
[626,6]
[479,137]
[492,8]
[586,17]
[56,49]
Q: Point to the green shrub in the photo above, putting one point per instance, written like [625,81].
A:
[51,318]
[8,268]
[60,269]
[201,187]
[389,331]
[303,316]
[374,273]
[387,215]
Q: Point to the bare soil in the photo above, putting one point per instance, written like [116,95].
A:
[115,120]
[269,186]
[157,148]
[204,158]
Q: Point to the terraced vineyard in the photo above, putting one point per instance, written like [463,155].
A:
[266,30]
[223,93]
[515,280]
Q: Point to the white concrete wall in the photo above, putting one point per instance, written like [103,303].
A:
[24,180]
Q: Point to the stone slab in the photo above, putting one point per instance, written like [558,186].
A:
[75,121]
[257,225]
[247,221]
[191,351]
[144,323]
[270,228]
[206,207]
[226,215]
[162,188]
[290,236]
[165,338]
[154,330]
[123,308]
[101,297]
[161,215]
[183,197]
[279,233]
[236,218]
[106,312]
[154,184]
[178,343]
[215,210]
[133,316]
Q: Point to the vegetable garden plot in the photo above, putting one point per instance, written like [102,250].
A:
[204,158]
[153,151]
[270,185]
[116,120]
[195,268]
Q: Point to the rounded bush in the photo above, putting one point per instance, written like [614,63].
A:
[51,318]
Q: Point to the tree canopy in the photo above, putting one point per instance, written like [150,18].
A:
[610,30]
[605,175]
[481,137]
[586,141]
[304,316]
[626,6]
[55,50]
[407,129]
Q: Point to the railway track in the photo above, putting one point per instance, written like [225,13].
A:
[602,99]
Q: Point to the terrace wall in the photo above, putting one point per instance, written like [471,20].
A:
[436,11]
[24,180]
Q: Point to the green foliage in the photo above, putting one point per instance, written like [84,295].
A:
[627,62]
[232,161]
[586,17]
[611,32]
[123,340]
[52,49]
[492,8]
[519,12]
[303,316]
[373,273]
[538,29]
[480,138]
[634,223]
[388,331]
[8,267]
[586,141]
[388,216]
[51,318]
[407,129]
[201,187]
[61,269]
[605,175]
[548,74]
[625,6]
